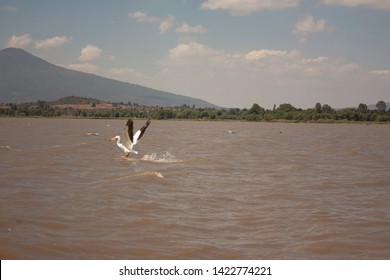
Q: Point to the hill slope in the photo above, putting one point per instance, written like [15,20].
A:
[27,78]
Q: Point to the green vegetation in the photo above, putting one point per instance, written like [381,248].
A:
[93,108]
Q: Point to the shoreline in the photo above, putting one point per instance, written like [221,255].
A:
[201,120]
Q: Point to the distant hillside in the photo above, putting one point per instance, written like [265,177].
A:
[373,106]
[76,100]
[27,78]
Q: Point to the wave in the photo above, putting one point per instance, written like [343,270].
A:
[141,174]
[10,148]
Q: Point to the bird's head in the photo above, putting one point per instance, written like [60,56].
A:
[116,138]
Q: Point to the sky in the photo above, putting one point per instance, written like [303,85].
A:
[232,53]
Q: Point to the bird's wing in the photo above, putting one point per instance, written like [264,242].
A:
[123,147]
[128,131]
[139,133]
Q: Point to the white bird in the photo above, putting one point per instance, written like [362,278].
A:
[130,139]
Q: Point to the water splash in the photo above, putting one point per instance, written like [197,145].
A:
[92,133]
[167,157]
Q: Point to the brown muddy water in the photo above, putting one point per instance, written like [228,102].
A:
[195,191]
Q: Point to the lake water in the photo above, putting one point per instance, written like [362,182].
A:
[195,191]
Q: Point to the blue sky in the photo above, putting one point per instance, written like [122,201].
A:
[229,52]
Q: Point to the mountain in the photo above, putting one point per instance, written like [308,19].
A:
[27,78]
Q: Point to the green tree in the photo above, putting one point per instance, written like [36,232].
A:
[327,109]
[362,108]
[256,110]
[285,108]
[381,106]
[318,107]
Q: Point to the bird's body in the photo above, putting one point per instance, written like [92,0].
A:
[130,138]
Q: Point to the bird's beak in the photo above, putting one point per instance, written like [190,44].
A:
[113,139]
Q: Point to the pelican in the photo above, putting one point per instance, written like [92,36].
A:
[130,139]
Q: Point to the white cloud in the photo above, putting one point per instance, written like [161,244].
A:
[308,25]
[185,28]
[86,67]
[192,53]
[266,60]
[143,17]
[381,73]
[52,42]
[375,4]
[246,7]
[90,52]
[19,41]
[259,54]
[166,24]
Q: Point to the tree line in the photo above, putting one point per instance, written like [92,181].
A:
[284,112]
